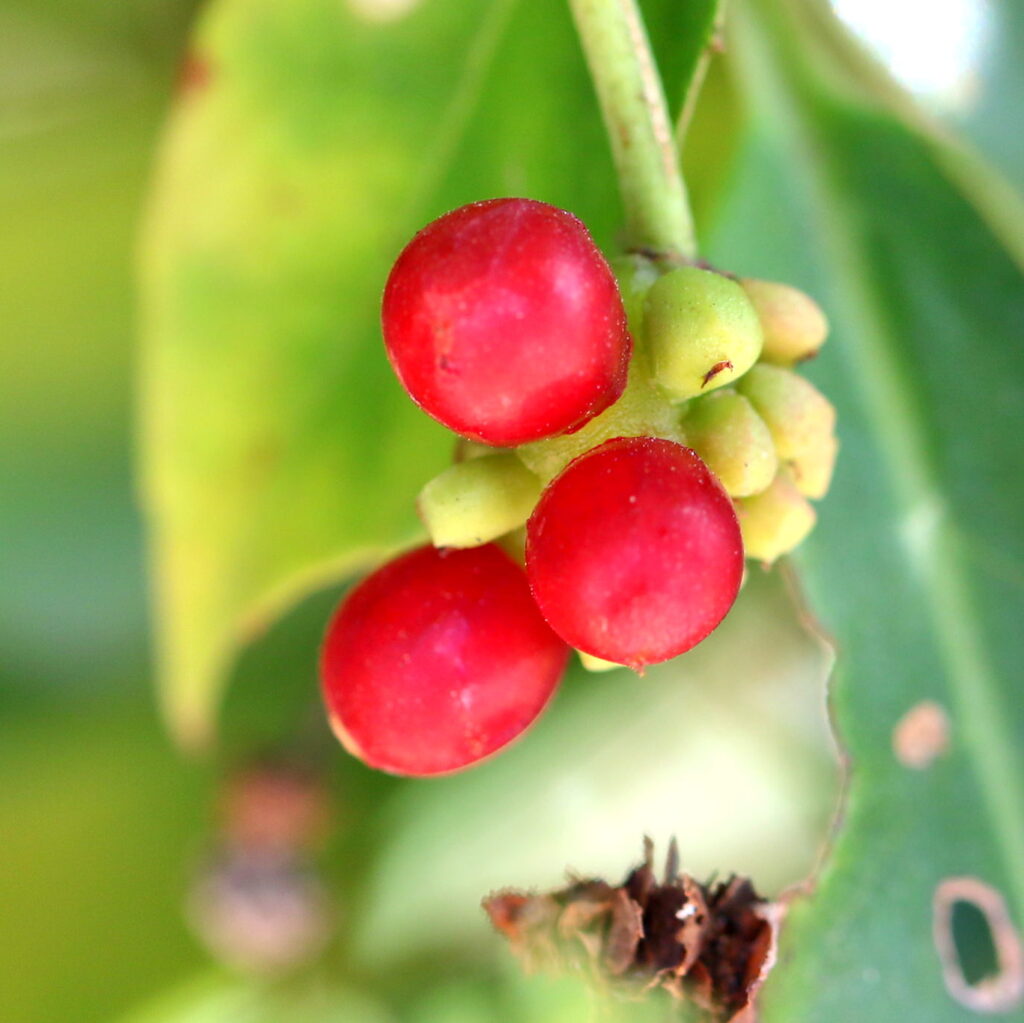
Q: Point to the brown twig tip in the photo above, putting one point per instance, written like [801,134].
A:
[709,944]
[717,368]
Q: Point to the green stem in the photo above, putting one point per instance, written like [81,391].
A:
[639,129]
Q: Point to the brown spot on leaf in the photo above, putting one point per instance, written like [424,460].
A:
[717,368]
[998,991]
[194,74]
[710,944]
[921,735]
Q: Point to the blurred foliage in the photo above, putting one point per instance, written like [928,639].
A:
[216,999]
[507,997]
[996,87]
[927,372]
[102,823]
[98,817]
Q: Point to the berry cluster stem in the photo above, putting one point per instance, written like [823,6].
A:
[639,128]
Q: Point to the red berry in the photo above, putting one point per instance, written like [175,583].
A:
[503,321]
[437,660]
[634,551]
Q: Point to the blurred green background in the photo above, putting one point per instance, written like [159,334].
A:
[102,822]
[97,814]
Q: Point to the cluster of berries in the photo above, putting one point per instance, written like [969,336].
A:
[640,475]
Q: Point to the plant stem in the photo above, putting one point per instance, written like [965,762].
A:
[643,144]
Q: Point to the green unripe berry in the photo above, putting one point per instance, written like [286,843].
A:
[592,663]
[701,331]
[514,544]
[793,324]
[465,449]
[732,438]
[641,412]
[635,274]
[774,521]
[812,471]
[797,413]
[473,502]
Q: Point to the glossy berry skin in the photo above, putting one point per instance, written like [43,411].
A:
[504,322]
[437,660]
[634,552]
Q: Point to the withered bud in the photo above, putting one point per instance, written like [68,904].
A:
[710,945]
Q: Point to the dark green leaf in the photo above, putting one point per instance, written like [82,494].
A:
[916,566]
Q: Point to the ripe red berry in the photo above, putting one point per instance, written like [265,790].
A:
[437,660]
[503,321]
[634,552]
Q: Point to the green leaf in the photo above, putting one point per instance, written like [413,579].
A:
[279,452]
[974,96]
[308,144]
[916,565]
[216,998]
[466,998]
[849,66]
[998,88]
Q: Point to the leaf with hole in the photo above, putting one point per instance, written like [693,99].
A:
[917,566]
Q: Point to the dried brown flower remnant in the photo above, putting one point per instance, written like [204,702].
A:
[710,944]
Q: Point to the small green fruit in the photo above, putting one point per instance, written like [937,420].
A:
[475,501]
[794,325]
[514,544]
[701,331]
[774,521]
[465,449]
[641,412]
[732,438]
[812,471]
[635,275]
[797,413]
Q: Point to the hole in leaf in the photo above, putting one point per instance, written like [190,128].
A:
[975,947]
[979,947]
